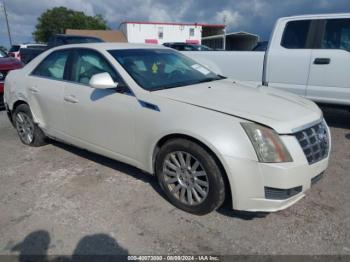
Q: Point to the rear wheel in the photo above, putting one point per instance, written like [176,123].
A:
[190,177]
[29,132]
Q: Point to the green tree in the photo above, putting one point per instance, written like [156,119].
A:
[58,19]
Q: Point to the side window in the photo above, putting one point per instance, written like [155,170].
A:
[296,34]
[88,63]
[337,34]
[53,65]
[160,32]
[191,32]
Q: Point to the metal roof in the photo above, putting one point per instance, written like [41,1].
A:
[241,33]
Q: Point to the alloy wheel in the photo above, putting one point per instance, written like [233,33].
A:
[185,178]
[25,127]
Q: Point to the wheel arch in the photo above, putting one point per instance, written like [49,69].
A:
[210,149]
[17,103]
[14,106]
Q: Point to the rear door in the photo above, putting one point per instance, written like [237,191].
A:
[45,91]
[288,59]
[329,80]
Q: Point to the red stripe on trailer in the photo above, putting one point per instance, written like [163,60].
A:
[151,41]
[195,42]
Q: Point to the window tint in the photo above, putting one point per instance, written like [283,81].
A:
[88,63]
[337,34]
[14,48]
[53,65]
[295,34]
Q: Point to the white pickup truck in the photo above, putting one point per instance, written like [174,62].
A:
[308,55]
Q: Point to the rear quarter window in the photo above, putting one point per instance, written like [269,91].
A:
[53,65]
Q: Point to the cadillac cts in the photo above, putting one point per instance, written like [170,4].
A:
[205,137]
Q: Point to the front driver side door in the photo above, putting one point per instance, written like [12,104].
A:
[100,120]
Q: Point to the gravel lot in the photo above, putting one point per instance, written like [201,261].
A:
[61,200]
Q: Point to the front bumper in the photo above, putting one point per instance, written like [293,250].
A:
[249,179]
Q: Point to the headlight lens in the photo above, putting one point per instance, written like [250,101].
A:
[267,144]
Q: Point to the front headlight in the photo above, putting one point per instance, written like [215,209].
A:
[267,144]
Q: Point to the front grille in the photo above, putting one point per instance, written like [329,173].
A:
[3,74]
[315,142]
[281,194]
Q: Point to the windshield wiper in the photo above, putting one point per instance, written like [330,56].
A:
[188,83]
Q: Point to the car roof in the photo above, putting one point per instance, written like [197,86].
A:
[111,46]
[316,16]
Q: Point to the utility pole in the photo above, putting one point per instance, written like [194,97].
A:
[7,22]
[224,37]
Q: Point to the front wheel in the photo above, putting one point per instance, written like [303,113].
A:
[29,132]
[190,177]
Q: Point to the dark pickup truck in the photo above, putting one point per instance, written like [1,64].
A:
[28,54]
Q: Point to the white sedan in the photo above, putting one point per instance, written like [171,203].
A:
[205,137]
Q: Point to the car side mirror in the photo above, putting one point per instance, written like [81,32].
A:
[102,81]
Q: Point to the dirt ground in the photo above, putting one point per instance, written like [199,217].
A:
[61,200]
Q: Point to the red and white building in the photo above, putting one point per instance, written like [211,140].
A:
[159,33]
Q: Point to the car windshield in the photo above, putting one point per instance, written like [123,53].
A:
[156,69]
[2,54]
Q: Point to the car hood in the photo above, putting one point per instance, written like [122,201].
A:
[279,110]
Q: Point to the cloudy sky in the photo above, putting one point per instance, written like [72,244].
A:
[256,16]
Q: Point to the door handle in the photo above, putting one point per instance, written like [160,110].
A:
[33,90]
[322,61]
[71,99]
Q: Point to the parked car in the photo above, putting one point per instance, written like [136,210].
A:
[204,136]
[308,55]
[27,54]
[261,46]
[15,49]
[6,64]
[188,47]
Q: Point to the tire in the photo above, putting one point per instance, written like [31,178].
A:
[179,176]
[29,132]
